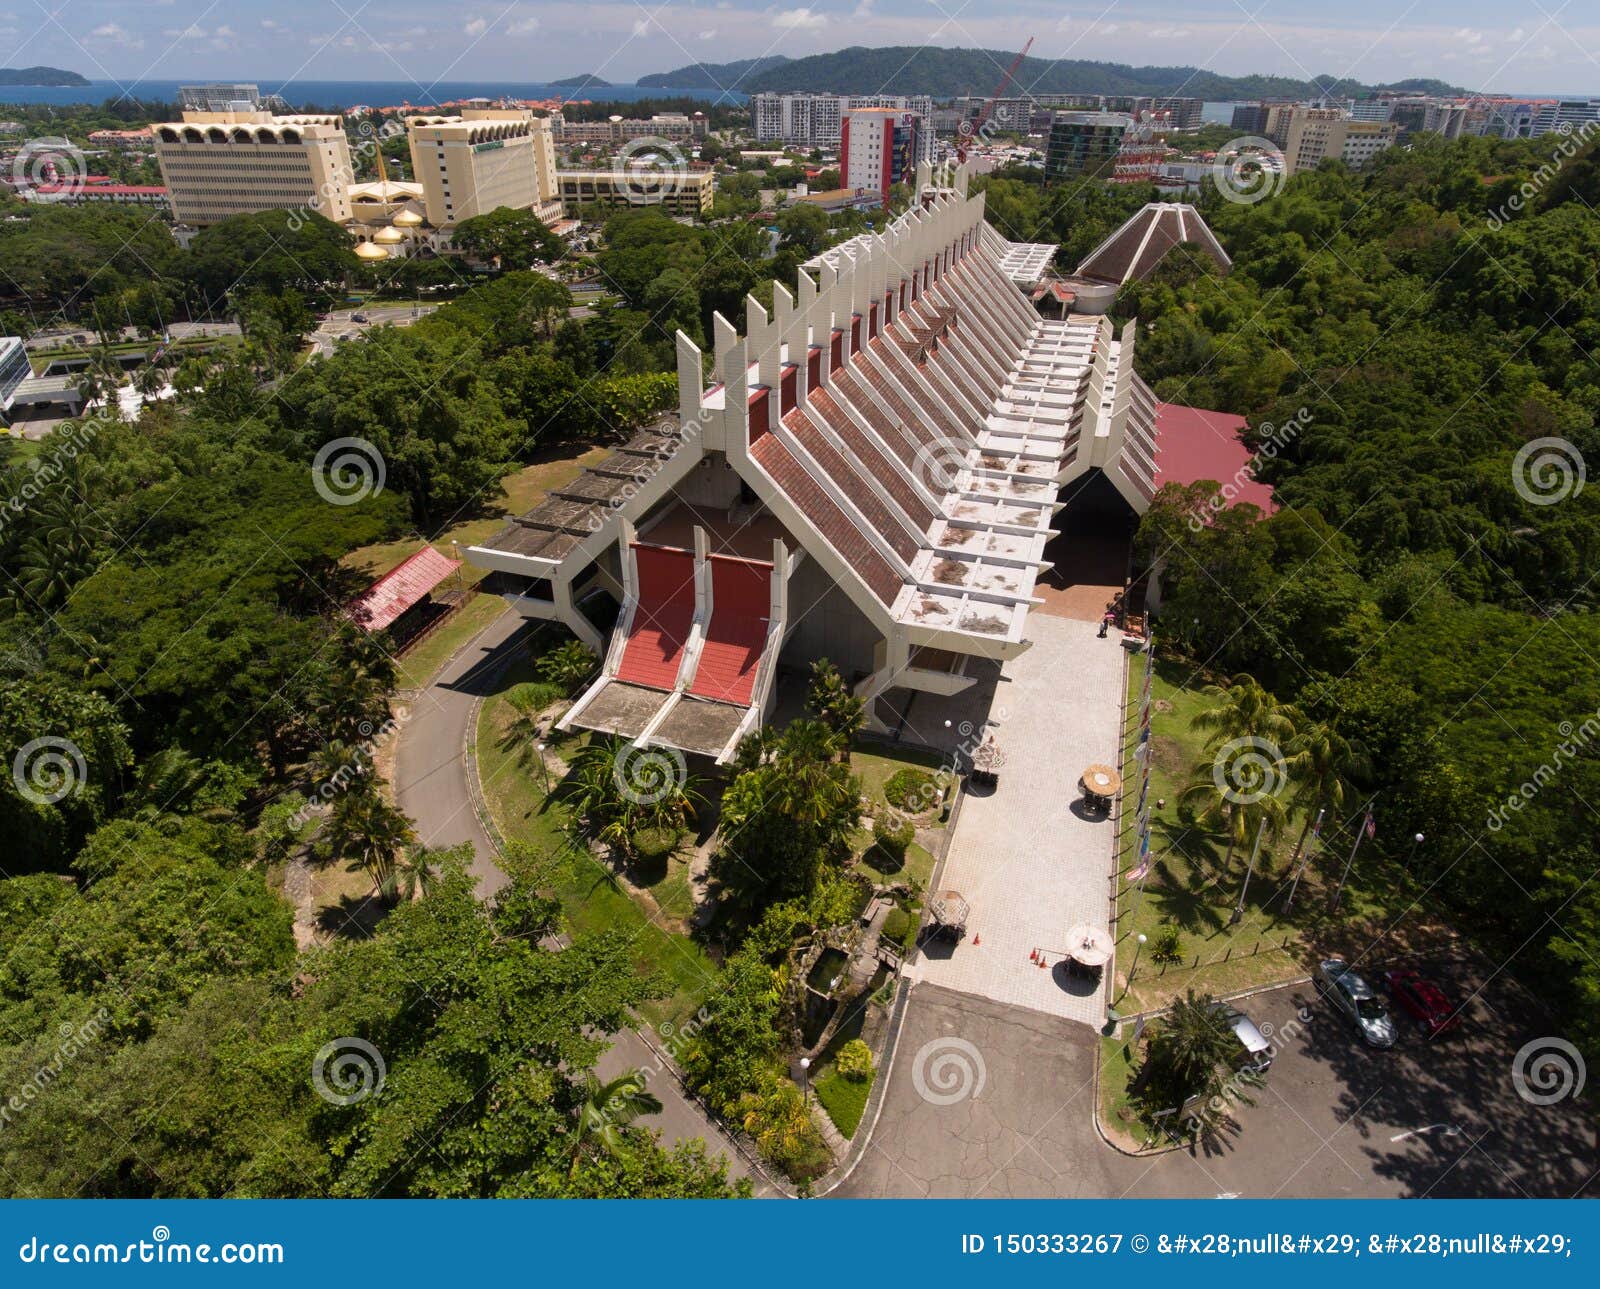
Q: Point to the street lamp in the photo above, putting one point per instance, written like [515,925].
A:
[805,1078]
[1138,946]
[544,771]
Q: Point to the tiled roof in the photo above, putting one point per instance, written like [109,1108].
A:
[403,586]
[1136,250]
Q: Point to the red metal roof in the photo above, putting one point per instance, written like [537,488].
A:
[1192,444]
[401,587]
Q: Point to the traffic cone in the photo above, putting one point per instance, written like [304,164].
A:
[1033,956]
[976,938]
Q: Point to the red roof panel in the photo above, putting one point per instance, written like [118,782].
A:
[1192,444]
[401,587]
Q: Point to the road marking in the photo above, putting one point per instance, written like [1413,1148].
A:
[1449,1130]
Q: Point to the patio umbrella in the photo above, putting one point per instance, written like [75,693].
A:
[1089,945]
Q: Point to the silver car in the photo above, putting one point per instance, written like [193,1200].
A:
[1352,995]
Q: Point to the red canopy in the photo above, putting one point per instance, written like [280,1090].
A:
[1192,444]
[401,587]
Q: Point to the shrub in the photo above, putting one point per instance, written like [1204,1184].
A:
[1168,946]
[893,837]
[567,665]
[656,843]
[532,696]
[845,1100]
[854,1060]
[900,927]
[911,790]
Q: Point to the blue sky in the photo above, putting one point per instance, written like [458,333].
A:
[1541,45]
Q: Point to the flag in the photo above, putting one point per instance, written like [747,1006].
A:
[1371,826]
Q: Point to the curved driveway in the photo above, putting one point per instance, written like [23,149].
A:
[431,786]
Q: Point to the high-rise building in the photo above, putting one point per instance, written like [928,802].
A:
[236,158]
[1565,115]
[1085,144]
[1250,118]
[879,147]
[816,120]
[472,163]
[1311,135]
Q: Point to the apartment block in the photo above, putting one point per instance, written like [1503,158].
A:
[680,193]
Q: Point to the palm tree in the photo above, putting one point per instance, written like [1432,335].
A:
[415,874]
[1191,1052]
[606,1109]
[372,835]
[1247,711]
[1239,781]
[1319,761]
[150,380]
[1239,817]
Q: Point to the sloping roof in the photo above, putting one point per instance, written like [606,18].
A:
[401,587]
[1192,444]
[1135,250]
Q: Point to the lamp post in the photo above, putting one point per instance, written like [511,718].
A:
[544,770]
[1138,947]
[805,1078]
[1416,842]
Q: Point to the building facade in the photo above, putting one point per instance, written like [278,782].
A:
[241,160]
[817,120]
[674,127]
[681,193]
[879,147]
[484,158]
[1085,145]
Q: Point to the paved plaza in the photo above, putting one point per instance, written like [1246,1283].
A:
[1027,859]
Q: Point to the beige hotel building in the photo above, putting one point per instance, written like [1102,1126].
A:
[238,161]
[470,164]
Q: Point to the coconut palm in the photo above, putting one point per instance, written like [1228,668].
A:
[1247,711]
[150,380]
[415,874]
[1191,1051]
[1319,762]
[607,1109]
[1239,781]
[366,830]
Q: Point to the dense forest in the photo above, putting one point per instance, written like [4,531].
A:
[928,69]
[1415,348]
[176,682]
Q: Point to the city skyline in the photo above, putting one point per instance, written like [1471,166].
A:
[1469,44]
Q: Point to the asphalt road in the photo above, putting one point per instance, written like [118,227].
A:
[988,1100]
[431,786]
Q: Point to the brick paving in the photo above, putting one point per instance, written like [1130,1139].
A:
[1029,863]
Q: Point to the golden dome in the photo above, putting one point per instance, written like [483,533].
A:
[368,251]
[407,219]
[388,236]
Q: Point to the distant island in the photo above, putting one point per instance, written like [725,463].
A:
[947,73]
[714,76]
[40,76]
[582,83]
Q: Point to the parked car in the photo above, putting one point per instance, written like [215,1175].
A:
[359,317]
[1421,999]
[1255,1052]
[1351,994]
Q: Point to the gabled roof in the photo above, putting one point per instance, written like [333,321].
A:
[401,587]
[1136,250]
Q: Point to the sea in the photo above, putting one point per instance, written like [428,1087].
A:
[302,95]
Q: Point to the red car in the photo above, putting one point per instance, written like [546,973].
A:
[1420,998]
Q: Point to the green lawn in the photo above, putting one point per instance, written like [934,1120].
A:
[1190,887]
[844,1099]
[590,896]
[420,664]
[876,767]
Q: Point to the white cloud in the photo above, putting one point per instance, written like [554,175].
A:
[708,34]
[522,26]
[114,34]
[476,27]
[641,27]
[1168,33]
[799,20]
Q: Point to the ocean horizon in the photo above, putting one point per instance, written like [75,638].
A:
[302,94]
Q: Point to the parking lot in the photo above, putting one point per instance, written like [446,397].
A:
[1334,1119]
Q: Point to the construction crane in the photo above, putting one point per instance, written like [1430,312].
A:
[973,129]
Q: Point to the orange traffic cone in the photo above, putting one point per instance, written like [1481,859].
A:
[1033,956]
[976,938]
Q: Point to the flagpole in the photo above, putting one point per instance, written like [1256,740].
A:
[1361,832]
[1304,858]
[1238,913]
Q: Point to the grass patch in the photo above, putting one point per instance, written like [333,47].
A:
[1119,1114]
[592,900]
[1190,888]
[877,865]
[844,1099]
[877,768]
[419,666]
